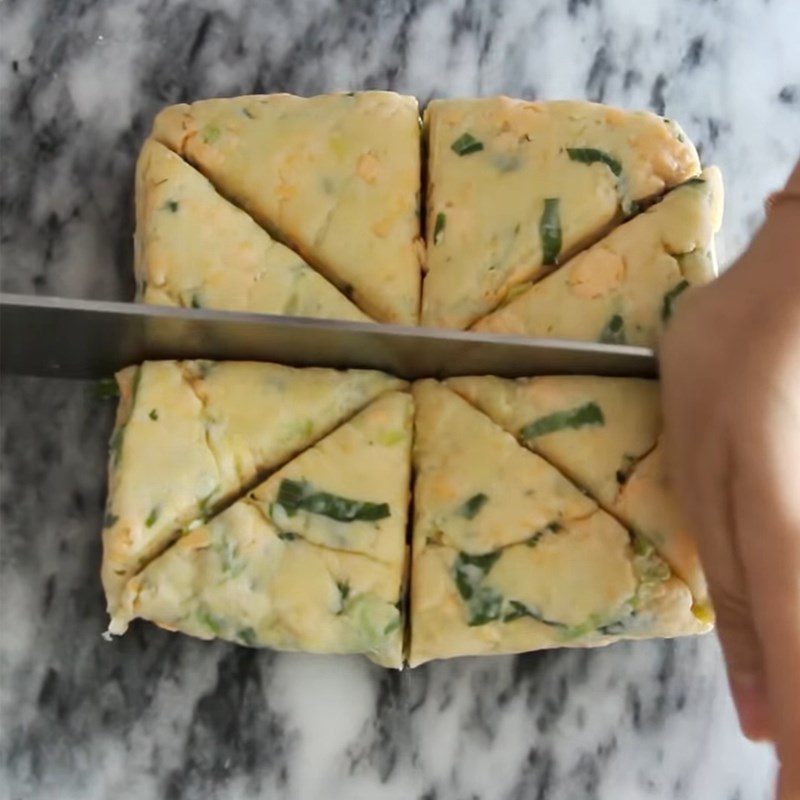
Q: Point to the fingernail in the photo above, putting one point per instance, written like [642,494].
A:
[750,696]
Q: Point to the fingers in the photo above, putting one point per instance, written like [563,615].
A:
[743,660]
[733,434]
[752,704]
[700,472]
[735,624]
[788,786]
[767,513]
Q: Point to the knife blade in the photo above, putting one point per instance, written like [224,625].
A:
[71,338]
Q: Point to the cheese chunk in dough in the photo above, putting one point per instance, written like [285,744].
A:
[193,248]
[515,187]
[604,433]
[509,556]
[313,559]
[337,177]
[192,435]
[624,288]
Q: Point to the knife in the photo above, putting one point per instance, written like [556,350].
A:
[69,338]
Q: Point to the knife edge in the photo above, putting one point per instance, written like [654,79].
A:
[89,339]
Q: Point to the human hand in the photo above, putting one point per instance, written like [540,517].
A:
[730,366]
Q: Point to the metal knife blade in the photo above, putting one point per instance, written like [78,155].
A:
[67,338]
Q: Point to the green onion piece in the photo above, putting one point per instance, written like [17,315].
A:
[466,144]
[110,519]
[550,231]
[580,417]
[642,546]
[591,155]
[551,527]
[485,606]
[115,444]
[210,134]
[617,626]
[290,494]
[344,593]
[470,570]
[247,636]
[204,503]
[439,226]
[633,208]
[392,626]
[614,331]
[520,610]
[296,495]
[471,507]
[211,621]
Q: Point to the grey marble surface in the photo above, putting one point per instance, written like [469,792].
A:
[154,715]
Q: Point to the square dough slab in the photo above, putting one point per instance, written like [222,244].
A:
[192,435]
[605,434]
[336,177]
[508,555]
[195,249]
[623,289]
[313,559]
[516,187]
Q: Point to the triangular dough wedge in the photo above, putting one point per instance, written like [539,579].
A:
[515,187]
[337,177]
[313,559]
[604,433]
[623,289]
[193,248]
[190,436]
[508,555]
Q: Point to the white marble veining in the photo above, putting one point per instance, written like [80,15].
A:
[159,716]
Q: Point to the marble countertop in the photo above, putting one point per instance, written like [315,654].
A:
[154,715]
